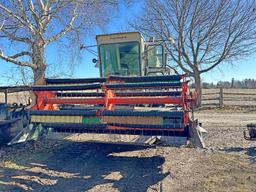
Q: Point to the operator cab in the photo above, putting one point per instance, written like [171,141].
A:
[127,54]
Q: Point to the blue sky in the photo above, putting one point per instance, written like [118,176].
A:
[85,68]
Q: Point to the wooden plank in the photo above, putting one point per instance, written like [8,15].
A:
[211,99]
[215,93]
[239,93]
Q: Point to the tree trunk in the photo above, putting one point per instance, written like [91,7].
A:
[198,88]
[39,75]
[39,61]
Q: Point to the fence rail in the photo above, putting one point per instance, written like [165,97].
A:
[229,97]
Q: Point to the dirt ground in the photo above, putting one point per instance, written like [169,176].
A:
[228,163]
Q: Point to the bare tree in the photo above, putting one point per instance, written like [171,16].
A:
[34,24]
[204,33]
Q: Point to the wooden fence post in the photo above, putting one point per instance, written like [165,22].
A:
[221,103]
[6,96]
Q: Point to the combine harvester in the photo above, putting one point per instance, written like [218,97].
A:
[136,95]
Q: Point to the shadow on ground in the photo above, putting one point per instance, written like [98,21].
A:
[250,151]
[83,167]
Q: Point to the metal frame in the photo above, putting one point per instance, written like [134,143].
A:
[48,100]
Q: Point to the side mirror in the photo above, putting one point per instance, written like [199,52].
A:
[96,62]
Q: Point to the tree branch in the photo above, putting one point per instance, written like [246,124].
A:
[41,5]
[22,19]
[65,30]
[13,37]
[23,53]
[33,12]
[12,60]
[11,13]
[2,25]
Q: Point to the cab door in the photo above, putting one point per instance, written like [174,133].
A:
[155,59]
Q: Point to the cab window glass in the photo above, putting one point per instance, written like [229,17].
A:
[120,59]
[155,55]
